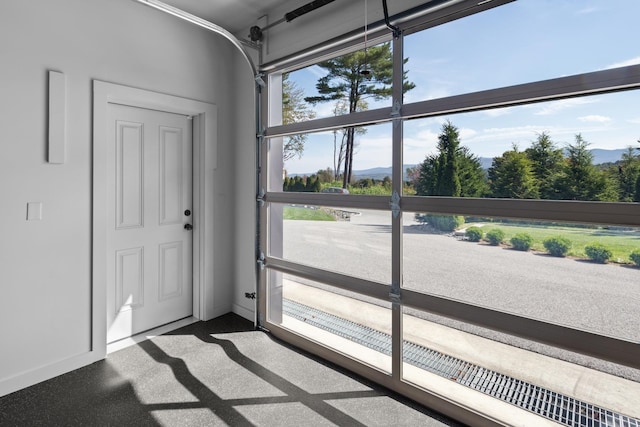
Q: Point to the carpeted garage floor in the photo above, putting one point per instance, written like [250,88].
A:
[215,373]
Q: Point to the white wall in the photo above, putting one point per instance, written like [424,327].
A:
[45,266]
[244,257]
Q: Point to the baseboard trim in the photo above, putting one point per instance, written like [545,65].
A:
[143,336]
[244,312]
[37,375]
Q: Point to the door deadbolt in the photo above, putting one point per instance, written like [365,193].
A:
[187,212]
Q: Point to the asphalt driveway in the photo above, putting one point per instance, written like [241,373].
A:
[599,298]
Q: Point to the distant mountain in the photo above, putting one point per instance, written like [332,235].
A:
[607,156]
[599,156]
[486,162]
[373,173]
[379,173]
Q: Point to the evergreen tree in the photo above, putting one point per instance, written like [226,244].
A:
[448,164]
[352,78]
[308,186]
[427,180]
[628,171]
[298,184]
[546,162]
[317,187]
[511,176]
[452,171]
[580,179]
[473,180]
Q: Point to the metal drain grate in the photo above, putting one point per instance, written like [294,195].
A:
[555,406]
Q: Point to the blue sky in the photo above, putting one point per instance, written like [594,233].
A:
[528,40]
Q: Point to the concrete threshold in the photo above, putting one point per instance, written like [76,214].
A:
[585,384]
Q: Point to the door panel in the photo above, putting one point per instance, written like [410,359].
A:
[129,167]
[171,187]
[149,251]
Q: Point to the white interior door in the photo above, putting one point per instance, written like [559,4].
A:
[149,217]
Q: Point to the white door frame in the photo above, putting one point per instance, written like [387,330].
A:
[204,117]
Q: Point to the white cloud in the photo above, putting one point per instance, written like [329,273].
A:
[594,118]
[587,10]
[498,112]
[564,104]
[625,63]
[381,142]
[514,133]
[323,109]
[425,94]
[317,71]
[467,133]
[635,121]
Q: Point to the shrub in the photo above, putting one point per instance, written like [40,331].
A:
[445,223]
[521,242]
[474,234]
[557,246]
[598,252]
[495,236]
[635,257]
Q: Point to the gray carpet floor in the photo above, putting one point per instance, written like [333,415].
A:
[216,373]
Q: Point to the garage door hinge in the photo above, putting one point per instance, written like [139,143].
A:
[261,261]
[260,135]
[395,204]
[394,294]
[260,197]
[396,109]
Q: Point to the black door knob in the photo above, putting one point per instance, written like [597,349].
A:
[188,227]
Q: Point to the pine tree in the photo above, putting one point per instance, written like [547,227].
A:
[546,162]
[580,179]
[511,176]
[448,163]
[352,78]
[628,171]
[452,171]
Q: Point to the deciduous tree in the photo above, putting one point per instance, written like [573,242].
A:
[294,109]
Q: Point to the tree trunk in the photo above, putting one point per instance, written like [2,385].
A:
[348,158]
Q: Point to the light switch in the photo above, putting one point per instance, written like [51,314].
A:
[34,211]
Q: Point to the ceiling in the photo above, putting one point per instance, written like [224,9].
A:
[235,16]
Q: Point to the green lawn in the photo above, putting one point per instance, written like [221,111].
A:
[619,242]
[307,214]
